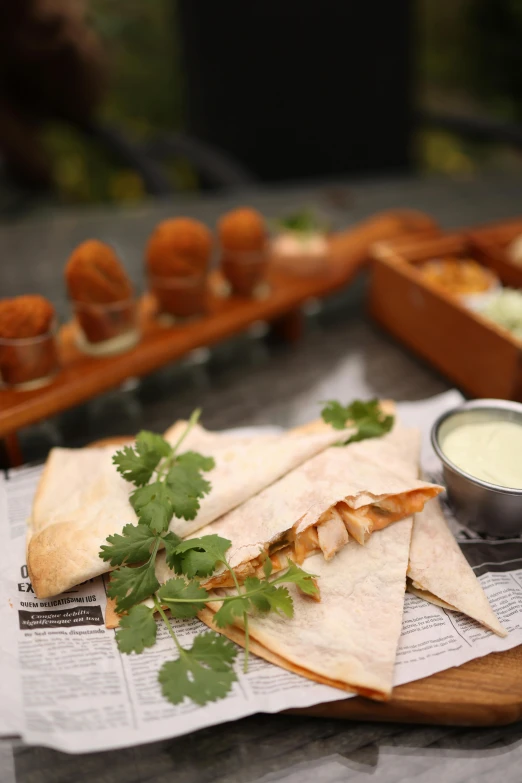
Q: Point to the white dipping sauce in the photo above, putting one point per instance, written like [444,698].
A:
[487,450]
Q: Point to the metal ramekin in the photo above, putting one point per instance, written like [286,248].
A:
[487,508]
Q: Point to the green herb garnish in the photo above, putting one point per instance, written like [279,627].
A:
[169,484]
[302,222]
[367,417]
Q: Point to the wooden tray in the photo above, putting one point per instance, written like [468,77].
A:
[83,377]
[491,241]
[483,692]
[480,357]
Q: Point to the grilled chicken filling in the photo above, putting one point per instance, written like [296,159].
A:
[330,534]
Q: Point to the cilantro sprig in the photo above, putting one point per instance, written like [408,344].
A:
[171,484]
[367,417]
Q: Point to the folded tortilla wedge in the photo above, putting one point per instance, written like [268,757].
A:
[349,639]
[81,499]
[339,494]
[439,572]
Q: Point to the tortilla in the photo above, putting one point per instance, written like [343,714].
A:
[350,638]
[440,573]
[81,499]
[338,494]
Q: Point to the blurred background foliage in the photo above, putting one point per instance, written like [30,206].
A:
[145,95]
[468,60]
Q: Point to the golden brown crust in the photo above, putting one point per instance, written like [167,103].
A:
[179,247]
[242,230]
[66,534]
[25,317]
[95,275]
[52,553]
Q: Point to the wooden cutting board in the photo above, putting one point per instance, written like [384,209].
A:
[484,692]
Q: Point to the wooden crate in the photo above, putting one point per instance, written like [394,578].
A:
[492,241]
[480,357]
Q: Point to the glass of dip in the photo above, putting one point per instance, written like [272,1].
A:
[480,446]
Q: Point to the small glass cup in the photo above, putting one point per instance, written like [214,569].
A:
[179,297]
[106,329]
[29,362]
[246,271]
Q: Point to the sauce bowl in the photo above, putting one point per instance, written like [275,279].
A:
[487,508]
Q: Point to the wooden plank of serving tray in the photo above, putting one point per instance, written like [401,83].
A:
[82,377]
[483,692]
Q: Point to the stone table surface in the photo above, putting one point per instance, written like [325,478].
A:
[251,381]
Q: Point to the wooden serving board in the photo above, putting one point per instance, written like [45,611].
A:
[83,377]
[483,692]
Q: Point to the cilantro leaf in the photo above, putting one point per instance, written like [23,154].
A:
[186,484]
[203,674]
[133,545]
[195,461]
[154,505]
[269,598]
[279,600]
[367,417]
[130,586]
[214,650]
[192,563]
[148,443]
[259,600]
[137,630]
[129,464]
[214,545]
[177,593]
[369,428]
[170,541]
[231,609]
[335,414]
[302,579]
[137,463]
[267,567]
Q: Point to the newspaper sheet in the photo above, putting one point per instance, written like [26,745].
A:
[66,686]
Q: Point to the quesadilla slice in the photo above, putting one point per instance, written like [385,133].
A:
[81,498]
[341,493]
[439,572]
[349,639]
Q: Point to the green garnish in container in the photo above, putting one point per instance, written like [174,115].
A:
[303,222]
[301,246]
[506,310]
